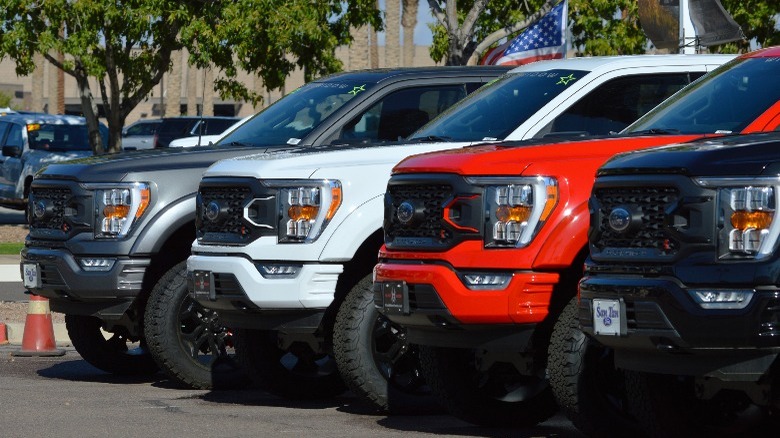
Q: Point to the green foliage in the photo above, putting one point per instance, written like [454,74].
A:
[5,101]
[126,45]
[758,19]
[606,27]
[610,27]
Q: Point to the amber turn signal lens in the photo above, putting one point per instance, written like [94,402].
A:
[506,213]
[743,220]
[116,211]
[302,212]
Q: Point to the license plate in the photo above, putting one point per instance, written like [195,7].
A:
[395,297]
[203,284]
[31,275]
[607,317]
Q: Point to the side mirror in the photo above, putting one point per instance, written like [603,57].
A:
[12,151]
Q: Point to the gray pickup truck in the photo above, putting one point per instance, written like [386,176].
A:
[110,235]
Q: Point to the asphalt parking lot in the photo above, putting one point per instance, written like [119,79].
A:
[66,397]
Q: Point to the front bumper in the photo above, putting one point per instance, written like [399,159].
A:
[442,311]
[241,294]
[666,331]
[71,289]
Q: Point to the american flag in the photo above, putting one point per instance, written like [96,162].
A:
[545,39]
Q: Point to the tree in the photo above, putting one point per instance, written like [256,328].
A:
[125,46]
[598,28]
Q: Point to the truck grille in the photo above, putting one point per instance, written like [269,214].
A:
[428,200]
[647,230]
[56,213]
[234,211]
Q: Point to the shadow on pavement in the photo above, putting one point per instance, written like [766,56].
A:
[81,371]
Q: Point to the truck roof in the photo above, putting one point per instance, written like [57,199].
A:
[401,73]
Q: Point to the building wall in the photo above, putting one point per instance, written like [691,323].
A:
[22,88]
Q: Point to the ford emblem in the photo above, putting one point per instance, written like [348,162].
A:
[212,211]
[405,212]
[619,219]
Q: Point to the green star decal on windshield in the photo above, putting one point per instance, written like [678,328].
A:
[564,80]
[356,90]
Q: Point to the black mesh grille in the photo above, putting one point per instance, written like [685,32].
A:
[650,203]
[235,211]
[58,199]
[428,197]
[233,199]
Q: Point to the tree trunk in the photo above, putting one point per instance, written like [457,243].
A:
[89,108]
[409,22]
[392,33]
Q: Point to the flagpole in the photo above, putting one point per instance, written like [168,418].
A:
[687,31]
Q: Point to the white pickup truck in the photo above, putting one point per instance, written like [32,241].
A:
[286,243]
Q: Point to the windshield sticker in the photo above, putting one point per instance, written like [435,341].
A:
[294,141]
[357,89]
[564,80]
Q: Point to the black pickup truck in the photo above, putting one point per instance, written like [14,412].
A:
[683,283]
[109,236]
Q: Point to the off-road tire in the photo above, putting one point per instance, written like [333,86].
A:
[475,396]
[585,382]
[374,358]
[187,341]
[284,373]
[112,355]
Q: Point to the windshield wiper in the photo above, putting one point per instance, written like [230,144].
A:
[430,138]
[655,131]
[234,143]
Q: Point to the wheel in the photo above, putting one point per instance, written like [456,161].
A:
[116,355]
[585,382]
[494,396]
[187,341]
[667,406]
[374,358]
[295,373]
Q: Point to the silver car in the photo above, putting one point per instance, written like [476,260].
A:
[140,135]
[30,141]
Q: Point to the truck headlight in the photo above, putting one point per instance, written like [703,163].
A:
[516,208]
[118,207]
[748,208]
[307,206]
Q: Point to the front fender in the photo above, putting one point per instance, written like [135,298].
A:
[565,242]
[164,223]
[361,223]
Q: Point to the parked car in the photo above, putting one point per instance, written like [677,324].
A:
[140,134]
[173,128]
[205,140]
[31,141]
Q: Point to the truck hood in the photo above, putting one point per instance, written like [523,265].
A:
[126,165]
[742,155]
[511,158]
[303,163]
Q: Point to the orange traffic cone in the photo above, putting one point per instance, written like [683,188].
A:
[3,334]
[38,337]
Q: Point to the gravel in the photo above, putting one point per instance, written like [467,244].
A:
[13,233]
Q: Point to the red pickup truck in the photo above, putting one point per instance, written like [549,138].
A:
[484,247]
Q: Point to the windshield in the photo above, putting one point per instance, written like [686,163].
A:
[498,108]
[724,101]
[293,117]
[61,137]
